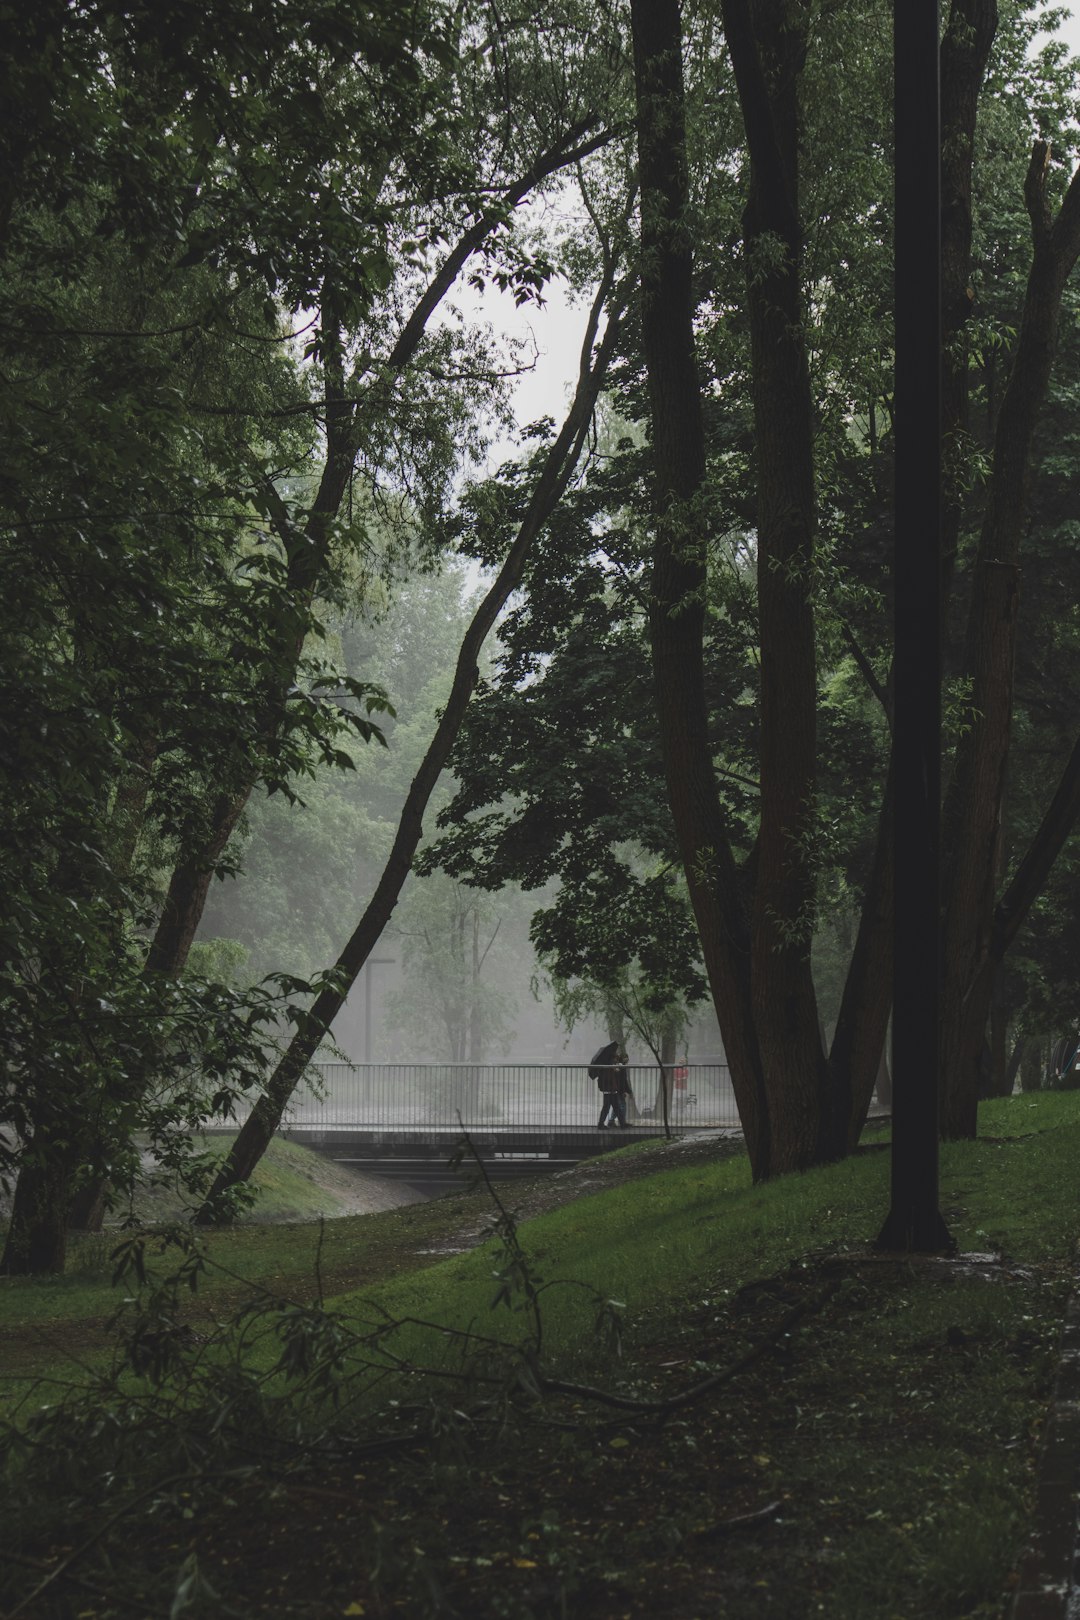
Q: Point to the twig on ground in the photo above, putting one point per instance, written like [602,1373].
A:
[687,1397]
[741,1521]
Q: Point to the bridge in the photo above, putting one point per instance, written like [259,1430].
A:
[405,1119]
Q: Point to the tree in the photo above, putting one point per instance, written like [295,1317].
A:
[313,159]
[117,519]
[795,1108]
[818,549]
[557,787]
[556,466]
[757,956]
[449,1002]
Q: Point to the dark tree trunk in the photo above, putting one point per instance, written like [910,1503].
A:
[796,1108]
[965,50]
[914,1221]
[37,1234]
[189,886]
[666,1085]
[809,1100]
[1028,880]
[975,800]
[677,612]
[259,1128]
[858,1046]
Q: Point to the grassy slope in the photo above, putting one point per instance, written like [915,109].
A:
[889,1428]
[648,1243]
[274,1245]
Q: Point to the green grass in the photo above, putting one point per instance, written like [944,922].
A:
[646,1243]
[54,1330]
[887,1411]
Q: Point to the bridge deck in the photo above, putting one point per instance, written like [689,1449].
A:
[493,1099]
[388,1116]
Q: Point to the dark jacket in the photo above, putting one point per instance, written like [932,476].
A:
[609,1074]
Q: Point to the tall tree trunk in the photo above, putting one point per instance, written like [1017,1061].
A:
[559,466]
[666,1088]
[809,1111]
[857,1052]
[476,1033]
[189,885]
[974,804]
[677,606]
[965,50]
[796,1109]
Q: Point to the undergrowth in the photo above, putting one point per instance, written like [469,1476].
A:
[682,1393]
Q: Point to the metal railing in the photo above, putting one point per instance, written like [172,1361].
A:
[502,1097]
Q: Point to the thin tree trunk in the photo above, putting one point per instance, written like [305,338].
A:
[559,465]
[999,1034]
[1012,1067]
[665,1090]
[1027,882]
[1032,1065]
[883,1085]
[476,1050]
[858,1044]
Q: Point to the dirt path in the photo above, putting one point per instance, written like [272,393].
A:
[556,1188]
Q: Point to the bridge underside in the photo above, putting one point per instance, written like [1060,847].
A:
[423,1155]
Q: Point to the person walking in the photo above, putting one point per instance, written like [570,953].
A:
[608,1068]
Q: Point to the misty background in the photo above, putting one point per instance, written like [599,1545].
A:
[454,977]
